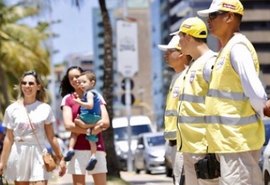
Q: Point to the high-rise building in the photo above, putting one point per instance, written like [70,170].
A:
[142,90]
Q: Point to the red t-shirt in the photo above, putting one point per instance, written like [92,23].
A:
[82,143]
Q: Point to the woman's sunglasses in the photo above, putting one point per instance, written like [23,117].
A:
[29,83]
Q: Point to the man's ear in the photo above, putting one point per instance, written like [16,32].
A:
[229,18]
[180,54]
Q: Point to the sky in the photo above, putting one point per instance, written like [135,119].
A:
[75,28]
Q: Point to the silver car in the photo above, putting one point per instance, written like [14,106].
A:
[149,154]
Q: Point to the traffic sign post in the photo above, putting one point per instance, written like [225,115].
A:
[123,84]
[127,65]
[128,112]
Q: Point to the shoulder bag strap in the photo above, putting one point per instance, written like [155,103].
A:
[33,129]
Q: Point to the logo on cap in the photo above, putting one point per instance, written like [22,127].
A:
[230,6]
[187,26]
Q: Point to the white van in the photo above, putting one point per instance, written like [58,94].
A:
[139,124]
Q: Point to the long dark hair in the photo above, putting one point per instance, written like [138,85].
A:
[65,86]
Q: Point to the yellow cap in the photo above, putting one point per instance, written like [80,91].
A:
[194,26]
[234,6]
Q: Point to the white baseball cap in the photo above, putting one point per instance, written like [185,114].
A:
[173,44]
[234,6]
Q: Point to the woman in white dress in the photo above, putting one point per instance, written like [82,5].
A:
[28,123]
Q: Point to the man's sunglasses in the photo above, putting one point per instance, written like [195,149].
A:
[214,15]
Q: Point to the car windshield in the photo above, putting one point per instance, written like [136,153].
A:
[122,132]
[156,141]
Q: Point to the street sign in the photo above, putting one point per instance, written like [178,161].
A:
[123,83]
[127,65]
[127,47]
[123,99]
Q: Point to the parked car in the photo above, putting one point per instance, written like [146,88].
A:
[265,158]
[149,154]
[139,124]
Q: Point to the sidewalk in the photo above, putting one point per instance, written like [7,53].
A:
[130,177]
[67,180]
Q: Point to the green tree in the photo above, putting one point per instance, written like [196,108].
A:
[21,48]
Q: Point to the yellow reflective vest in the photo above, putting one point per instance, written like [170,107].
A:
[170,115]
[191,107]
[233,125]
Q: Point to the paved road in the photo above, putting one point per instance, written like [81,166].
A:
[146,179]
[131,177]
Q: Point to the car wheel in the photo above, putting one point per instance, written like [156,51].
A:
[266,178]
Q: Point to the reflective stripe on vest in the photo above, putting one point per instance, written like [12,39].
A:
[190,119]
[192,98]
[218,119]
[170,135]
[231,121]
[171,113]
[228,95]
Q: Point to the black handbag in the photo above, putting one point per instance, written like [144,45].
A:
[208,167]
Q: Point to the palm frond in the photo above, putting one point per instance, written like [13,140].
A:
[14,13]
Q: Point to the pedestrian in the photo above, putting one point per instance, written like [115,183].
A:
[236,98]
[90,113]
[178,62]
[191,107]
[70,90]
[25,119]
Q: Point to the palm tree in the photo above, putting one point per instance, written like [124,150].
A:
[21,48]
[108,81]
